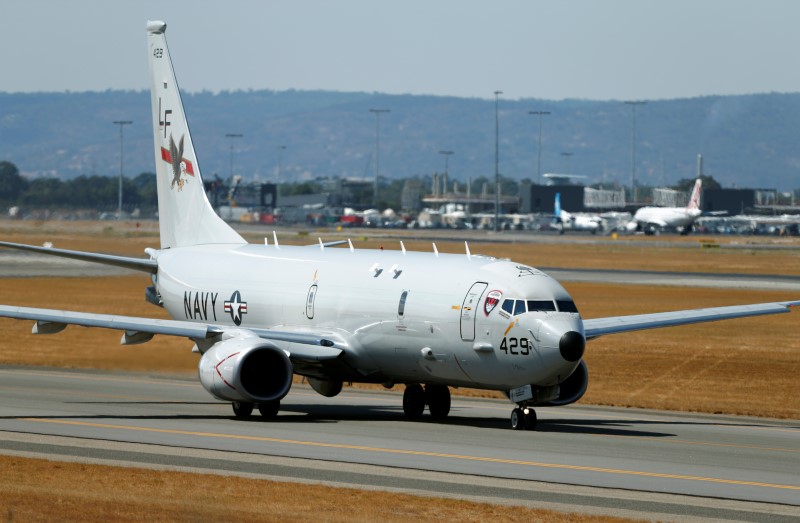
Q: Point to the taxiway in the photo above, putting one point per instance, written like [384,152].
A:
[649,464]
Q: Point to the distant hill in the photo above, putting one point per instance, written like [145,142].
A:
[746,141]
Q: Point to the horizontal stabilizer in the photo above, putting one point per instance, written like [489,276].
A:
[135,264]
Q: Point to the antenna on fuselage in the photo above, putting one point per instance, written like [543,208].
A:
[403,247]
[435,250]
[469,255]
[351,245]
[275,239]
[266,240]
[321,245]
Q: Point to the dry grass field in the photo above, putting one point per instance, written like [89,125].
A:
[737,367]
[39,490]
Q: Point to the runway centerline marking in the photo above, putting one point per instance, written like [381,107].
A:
[408,452]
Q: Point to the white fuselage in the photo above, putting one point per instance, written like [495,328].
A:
[400,317]
[666,216]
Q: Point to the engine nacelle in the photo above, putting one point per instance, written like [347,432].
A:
[573,388]
[246,369]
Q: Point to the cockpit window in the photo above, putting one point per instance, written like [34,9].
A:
[508,306]
[566,306]
[541,306]
[519,307]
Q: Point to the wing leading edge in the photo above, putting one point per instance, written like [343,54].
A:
[308,346]
[594,328]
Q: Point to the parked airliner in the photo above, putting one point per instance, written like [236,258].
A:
[567,221]
[652,220]
[259,313]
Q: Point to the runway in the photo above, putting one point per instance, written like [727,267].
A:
[625,462]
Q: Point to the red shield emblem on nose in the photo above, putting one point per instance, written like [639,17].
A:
[492,299]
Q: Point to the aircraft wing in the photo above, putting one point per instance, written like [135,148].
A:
[310,347]
[136,264]
[618,324]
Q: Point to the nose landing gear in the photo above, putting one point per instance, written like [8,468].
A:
[523,418]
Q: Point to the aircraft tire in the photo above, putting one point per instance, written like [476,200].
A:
[269,410]
[413,401]
[529,419]
[438,399]
[242,409]
[517,419]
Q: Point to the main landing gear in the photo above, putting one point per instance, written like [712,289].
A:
[268,410]
[436,397]
[523,418]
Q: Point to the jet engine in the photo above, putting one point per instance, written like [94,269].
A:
[246,369]
[573,388]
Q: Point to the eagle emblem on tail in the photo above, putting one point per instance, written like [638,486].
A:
[178,166]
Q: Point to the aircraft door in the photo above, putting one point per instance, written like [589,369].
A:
[469,310]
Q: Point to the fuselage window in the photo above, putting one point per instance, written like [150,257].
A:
[508,306]
[401,309]
[541,306]
[567,306]
[519,307]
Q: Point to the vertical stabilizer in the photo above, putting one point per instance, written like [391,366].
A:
[185,214]
[557,206]
[694,201]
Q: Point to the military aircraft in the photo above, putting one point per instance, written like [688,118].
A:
[652,220]
[258,314]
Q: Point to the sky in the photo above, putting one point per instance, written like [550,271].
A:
[598,50]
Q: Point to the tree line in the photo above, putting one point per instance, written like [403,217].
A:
[80,192]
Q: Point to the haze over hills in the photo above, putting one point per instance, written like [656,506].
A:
[746,141]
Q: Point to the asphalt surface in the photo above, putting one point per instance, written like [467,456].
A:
[625,462]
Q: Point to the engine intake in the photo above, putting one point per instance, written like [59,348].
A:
[573,388]
[246,369]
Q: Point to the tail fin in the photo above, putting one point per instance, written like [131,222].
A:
[557,206]
[694,201]
[185,214]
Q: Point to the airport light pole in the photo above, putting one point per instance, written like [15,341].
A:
[497,160]
[121,124]
[446,170]
[633,104]
[378,113]
[281,148]
[232,136]
[539,146]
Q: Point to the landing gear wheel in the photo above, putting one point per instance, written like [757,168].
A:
[242,409]
[517,419]
[413,401]
[529,420]
[438,399]
[269,410]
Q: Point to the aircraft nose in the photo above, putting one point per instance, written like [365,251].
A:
[571,345]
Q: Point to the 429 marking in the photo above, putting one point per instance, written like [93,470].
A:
[516,346]
[158,52]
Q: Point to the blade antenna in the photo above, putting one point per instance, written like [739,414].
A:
[275,239]
[403,247]
[435,250]
[469,255]
[351,245]
[266,240]
[321,245]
